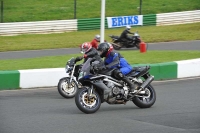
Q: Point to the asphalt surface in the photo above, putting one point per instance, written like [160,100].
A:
[181,45]
[43,110]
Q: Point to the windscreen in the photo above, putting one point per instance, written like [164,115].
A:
[71,61]
[86,66]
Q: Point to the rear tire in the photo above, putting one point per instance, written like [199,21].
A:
[116,47]
[85,104]
[148,101]
[65,90]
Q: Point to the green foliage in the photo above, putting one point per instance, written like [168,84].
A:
[41,10]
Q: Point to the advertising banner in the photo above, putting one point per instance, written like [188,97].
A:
[122,21]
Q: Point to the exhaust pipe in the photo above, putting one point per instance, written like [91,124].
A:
[144,85]
[147,82]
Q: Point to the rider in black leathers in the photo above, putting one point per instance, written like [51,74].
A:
[124,35]
[89,52]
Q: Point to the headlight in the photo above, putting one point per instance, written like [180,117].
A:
[67,68]
[136,34]
[81,74]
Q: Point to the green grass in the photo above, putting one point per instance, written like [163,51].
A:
[42,10]
[38,10]
[136,57]
[148,34]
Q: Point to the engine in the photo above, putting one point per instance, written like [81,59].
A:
[116,91]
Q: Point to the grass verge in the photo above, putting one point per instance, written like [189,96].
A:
[148,34]
[133,57]
[41,10]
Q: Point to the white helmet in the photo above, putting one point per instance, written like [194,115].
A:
[128,27]
[97,37]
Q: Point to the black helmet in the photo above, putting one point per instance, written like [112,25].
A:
[103,49]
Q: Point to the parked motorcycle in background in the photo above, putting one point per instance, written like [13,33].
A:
[124,43]
[98,87]
[68,86]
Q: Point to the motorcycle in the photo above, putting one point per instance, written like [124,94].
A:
[68,86]
[98,87]
[124,43]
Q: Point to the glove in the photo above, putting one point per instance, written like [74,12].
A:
[85,56]
[96,68]
[79,58]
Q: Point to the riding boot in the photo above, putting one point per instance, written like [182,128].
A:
[130,84]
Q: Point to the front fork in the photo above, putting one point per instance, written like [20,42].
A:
[72,74]
[72,77]
[90,92]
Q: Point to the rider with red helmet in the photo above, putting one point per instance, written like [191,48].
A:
[94,42]
[89,52]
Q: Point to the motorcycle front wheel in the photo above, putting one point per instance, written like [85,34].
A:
[67,89]
[147,100]
[137,45]
[87,103]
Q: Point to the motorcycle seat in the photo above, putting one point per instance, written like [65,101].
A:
[135,70]
[113,36]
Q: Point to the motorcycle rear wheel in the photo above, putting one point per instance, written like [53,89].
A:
[146,101]
[116,46]
[85,103]
[65,89]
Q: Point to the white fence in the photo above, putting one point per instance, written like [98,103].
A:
[71,25]
[38,27]
[178,18]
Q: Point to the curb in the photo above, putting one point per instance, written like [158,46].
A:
[34,78]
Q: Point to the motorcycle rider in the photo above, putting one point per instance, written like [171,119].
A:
[95,41]
[124,34]
[89,52]
[115,60]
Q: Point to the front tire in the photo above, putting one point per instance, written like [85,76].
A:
[137,45]
[66,89]
[148,100]
[86,104]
